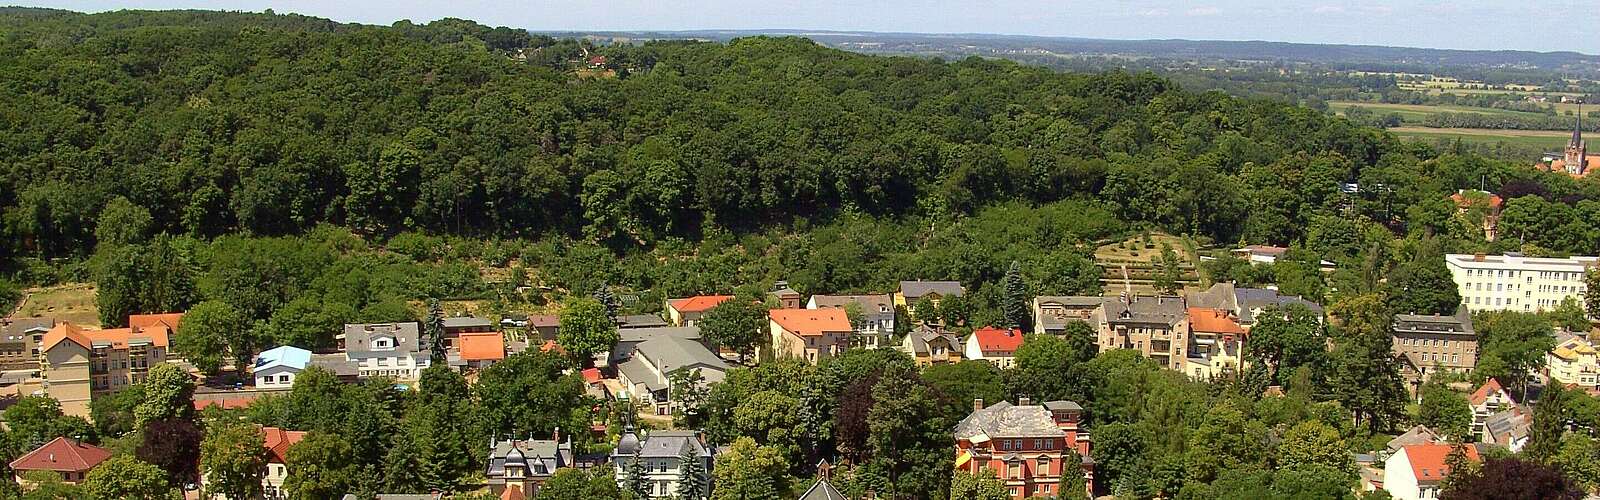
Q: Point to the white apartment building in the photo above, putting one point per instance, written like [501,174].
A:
[1512,282]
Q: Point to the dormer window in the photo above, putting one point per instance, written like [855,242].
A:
[383,343]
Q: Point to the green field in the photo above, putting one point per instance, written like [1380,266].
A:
[1551,140]
[1414,113]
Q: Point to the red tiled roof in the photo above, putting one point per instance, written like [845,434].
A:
[811,322]
[591,375]
[224,403]
[699,303]
[62,455]
[552,346]
[1204,319]
[1461,201]
[1427,460]
[169,320]
[512,492]
[278,441]
[544,320]
[482,346]
[1482,394]
[991,339]
[156,333]
[64,331]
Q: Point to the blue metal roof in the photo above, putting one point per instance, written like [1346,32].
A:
[289,356]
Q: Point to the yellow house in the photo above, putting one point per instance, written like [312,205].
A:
[912,291]
[1573,362]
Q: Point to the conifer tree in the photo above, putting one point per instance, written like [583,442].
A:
[634,479]
[691,476]
[434,330]
[1016,293]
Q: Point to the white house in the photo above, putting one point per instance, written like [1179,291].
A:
[661,454]
[1414,472]
[646,374]
[877,316]
[995,345]
[1488,400]
[1512,282]
[385,349]
[276,368]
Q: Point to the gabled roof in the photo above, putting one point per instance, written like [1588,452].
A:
[288,356]
[117,338]
[467,322]
[1482,394]
[1427,460]
[871,304]
[991,339]
[1165,310]
[671,444]
[811,322]
[914,289]
[1213,321]
[62,455]
[821,490]
[671,353]
[482,346]
[544,320]
[1419,434]
[698,303]
[358,338]
[1458,324]
[277,441]
[169,320]
[64,331]
[1004,420]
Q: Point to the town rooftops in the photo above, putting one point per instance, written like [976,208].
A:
[61,455]
[1219,296]
[544,321]
[1458,324]
[698,303]
[1572,348]
[362,340]
[1070,300]
[168,320]
[1427,460]
[1005,420]
[540,456]
[277,441]
[1167,310]
[662,444]
[467,322]
[1216,321]
[1248,300]
[991,339]
[669,353]
[1512,424]
[811,322]
[913,290]
[1520,262]
[283,356]
[870,304]
[482,346]
[116,338]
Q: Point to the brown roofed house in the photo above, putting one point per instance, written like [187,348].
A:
[67,457]
[809,334]
[687,311]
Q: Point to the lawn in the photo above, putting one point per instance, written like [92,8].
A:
[72,302]
[1548,139]
[1413,113]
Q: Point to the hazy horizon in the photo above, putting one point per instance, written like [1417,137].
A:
[1422,24]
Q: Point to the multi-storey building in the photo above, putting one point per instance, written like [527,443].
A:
[1052,314]
[1512,282]
[524,466]
[661,454]
[687,311]
[19,342]
[877,316]
[809,334]
[79,363]
[1216,343]
[1573,361]
[930,345]
[995,345]
[1157,327]
[1025,446]
[1429,342]
[385,349]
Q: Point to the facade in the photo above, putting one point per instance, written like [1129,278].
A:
[524,465]
[277,441]
[385,349]
[1260,254]
[686,311]
[912,291]
[1051,314]
[1512,282]
[646,374]
[786,297]
[995,345]
[1430,342]
[809,334]
[478,350]
[877,316]
[78,363]
[1414,472]
[1157,327]
[1025,446]
[71,459]
[662,453]
[1488,400]
[19,342]
[277,368]
[930,345]
[1216,343]
[1573,361]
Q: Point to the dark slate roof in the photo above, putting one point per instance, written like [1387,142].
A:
[1513,423]
[1004,420]
[1219,296]
[640,321]
[669,444]
[358,339]
[643,334]
[1164,309]
[821,490]
[920,337]
[914,289]
[1250,299]
[467,322]
[1062,405]
[550,453]
[1458,324]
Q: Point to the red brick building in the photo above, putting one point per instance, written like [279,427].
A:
[1025,445]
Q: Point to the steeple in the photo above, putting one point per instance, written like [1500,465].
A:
[1576,158]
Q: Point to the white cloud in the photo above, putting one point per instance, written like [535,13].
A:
[1204,11]
[1328,9]
[1156,12]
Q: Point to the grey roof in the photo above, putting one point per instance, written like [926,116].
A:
[1458,324]
[1250,299]
[671,353]
[638,373]
[1050,322]
[1062,406]
[467,322]
[550,454]
[914,289]
[335,363]
[671,444]
[358,339]
[1004,420]
[920,337]
[821,490]
[1166,310]
[1513,423]
[640,321]
[643,334]
[1219,296]
[19,326]
[870,304]
[1417,435]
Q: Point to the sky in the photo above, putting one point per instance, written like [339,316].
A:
[1453,24]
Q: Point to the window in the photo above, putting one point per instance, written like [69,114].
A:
[283,379]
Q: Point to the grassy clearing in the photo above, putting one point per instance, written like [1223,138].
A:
[73,302]
[1548,139]
[1417,112]
[1134,249]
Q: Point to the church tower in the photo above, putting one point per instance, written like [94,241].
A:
[1577,151]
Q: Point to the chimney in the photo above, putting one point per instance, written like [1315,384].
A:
[1478,257]
[1024,401]
[556,435]
[977,404]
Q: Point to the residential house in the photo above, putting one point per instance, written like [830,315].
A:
[1417,434]
[930,345]
[1025,445]
[1513,282]
[998,346]
[629,321]
[19,342]
[628,338]
[524,465]
[1433,342]
[277,368]
[277,442]
[455,326]
[877,316]
[809,334]
[1485,204]
[1157,327]
[786,297]
[1573,361]
[912,291]
[478,350]
[1249,302]
[1414,472]
[1488,400]
[1260,254]
[1051,314]
[69,458]
[79,363]
[662,454]
[385,349]
[686,311]
[546,325]
[647,373]
[1508,428]
[1216,343]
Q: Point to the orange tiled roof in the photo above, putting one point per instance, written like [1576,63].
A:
[169,320]
[1560,164]
[811,322]
[698,303]
[64,331]
[278,442]
[62,455]
[156,333]
[482,346]
[992,339]
[1427,460]
[1461,201]
[1482,394]
[1205,319]
[552,346]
